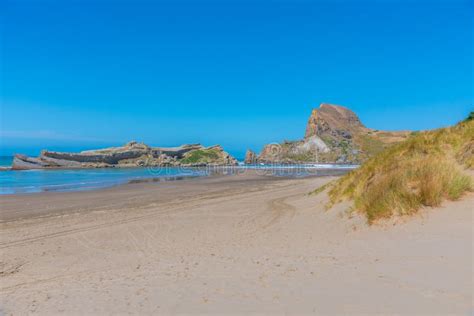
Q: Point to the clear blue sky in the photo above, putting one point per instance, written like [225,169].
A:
[86,74]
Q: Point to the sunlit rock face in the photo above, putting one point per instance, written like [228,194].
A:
[333,120]
[250,157]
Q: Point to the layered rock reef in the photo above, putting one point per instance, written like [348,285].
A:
[334,134]
[132,154]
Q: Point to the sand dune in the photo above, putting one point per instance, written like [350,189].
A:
[228,245]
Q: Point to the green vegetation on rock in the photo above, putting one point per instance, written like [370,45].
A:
[200,156]
[423,170]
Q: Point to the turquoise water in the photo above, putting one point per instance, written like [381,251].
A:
[6,161]
[35,181]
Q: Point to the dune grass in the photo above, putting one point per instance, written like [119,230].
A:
[423,170]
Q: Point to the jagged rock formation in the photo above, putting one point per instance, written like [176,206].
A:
[250,157]
[333,134]
[334,120]
[132,154]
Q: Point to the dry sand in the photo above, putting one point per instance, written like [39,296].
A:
[228,245]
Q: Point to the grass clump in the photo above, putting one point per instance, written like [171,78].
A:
[321,189]
[200,156]
[371,145]
[423,170]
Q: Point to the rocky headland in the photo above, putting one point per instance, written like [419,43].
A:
[334,134]
[132,154]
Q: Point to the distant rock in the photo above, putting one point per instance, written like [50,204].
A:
[132,154]
[210,156]
[250,157]
[334,120]
[334,134]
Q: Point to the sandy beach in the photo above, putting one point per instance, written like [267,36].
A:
[242,244]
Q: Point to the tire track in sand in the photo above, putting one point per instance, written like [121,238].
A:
[278,208]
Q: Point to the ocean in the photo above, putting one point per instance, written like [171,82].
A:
[6,161]
[36,181]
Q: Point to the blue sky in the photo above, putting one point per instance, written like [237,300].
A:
[86,74]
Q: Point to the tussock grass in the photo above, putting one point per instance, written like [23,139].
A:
[423,170]
[321,189]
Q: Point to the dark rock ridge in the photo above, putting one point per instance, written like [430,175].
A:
[334,134]
[132,154]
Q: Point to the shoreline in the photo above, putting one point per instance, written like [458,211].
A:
[240,164]
[50,202]
[72,180]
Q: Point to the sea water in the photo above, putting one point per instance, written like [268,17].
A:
[6,161]
[35,181]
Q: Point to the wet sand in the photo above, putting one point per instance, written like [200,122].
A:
[228,245]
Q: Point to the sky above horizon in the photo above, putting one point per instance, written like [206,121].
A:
[86,74]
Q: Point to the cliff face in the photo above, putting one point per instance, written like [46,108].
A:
[333,120]
[132,154]
[333,134]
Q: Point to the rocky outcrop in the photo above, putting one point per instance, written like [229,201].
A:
[250,157]
[334,120]
[334,134]
[132,154]
[210,156]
